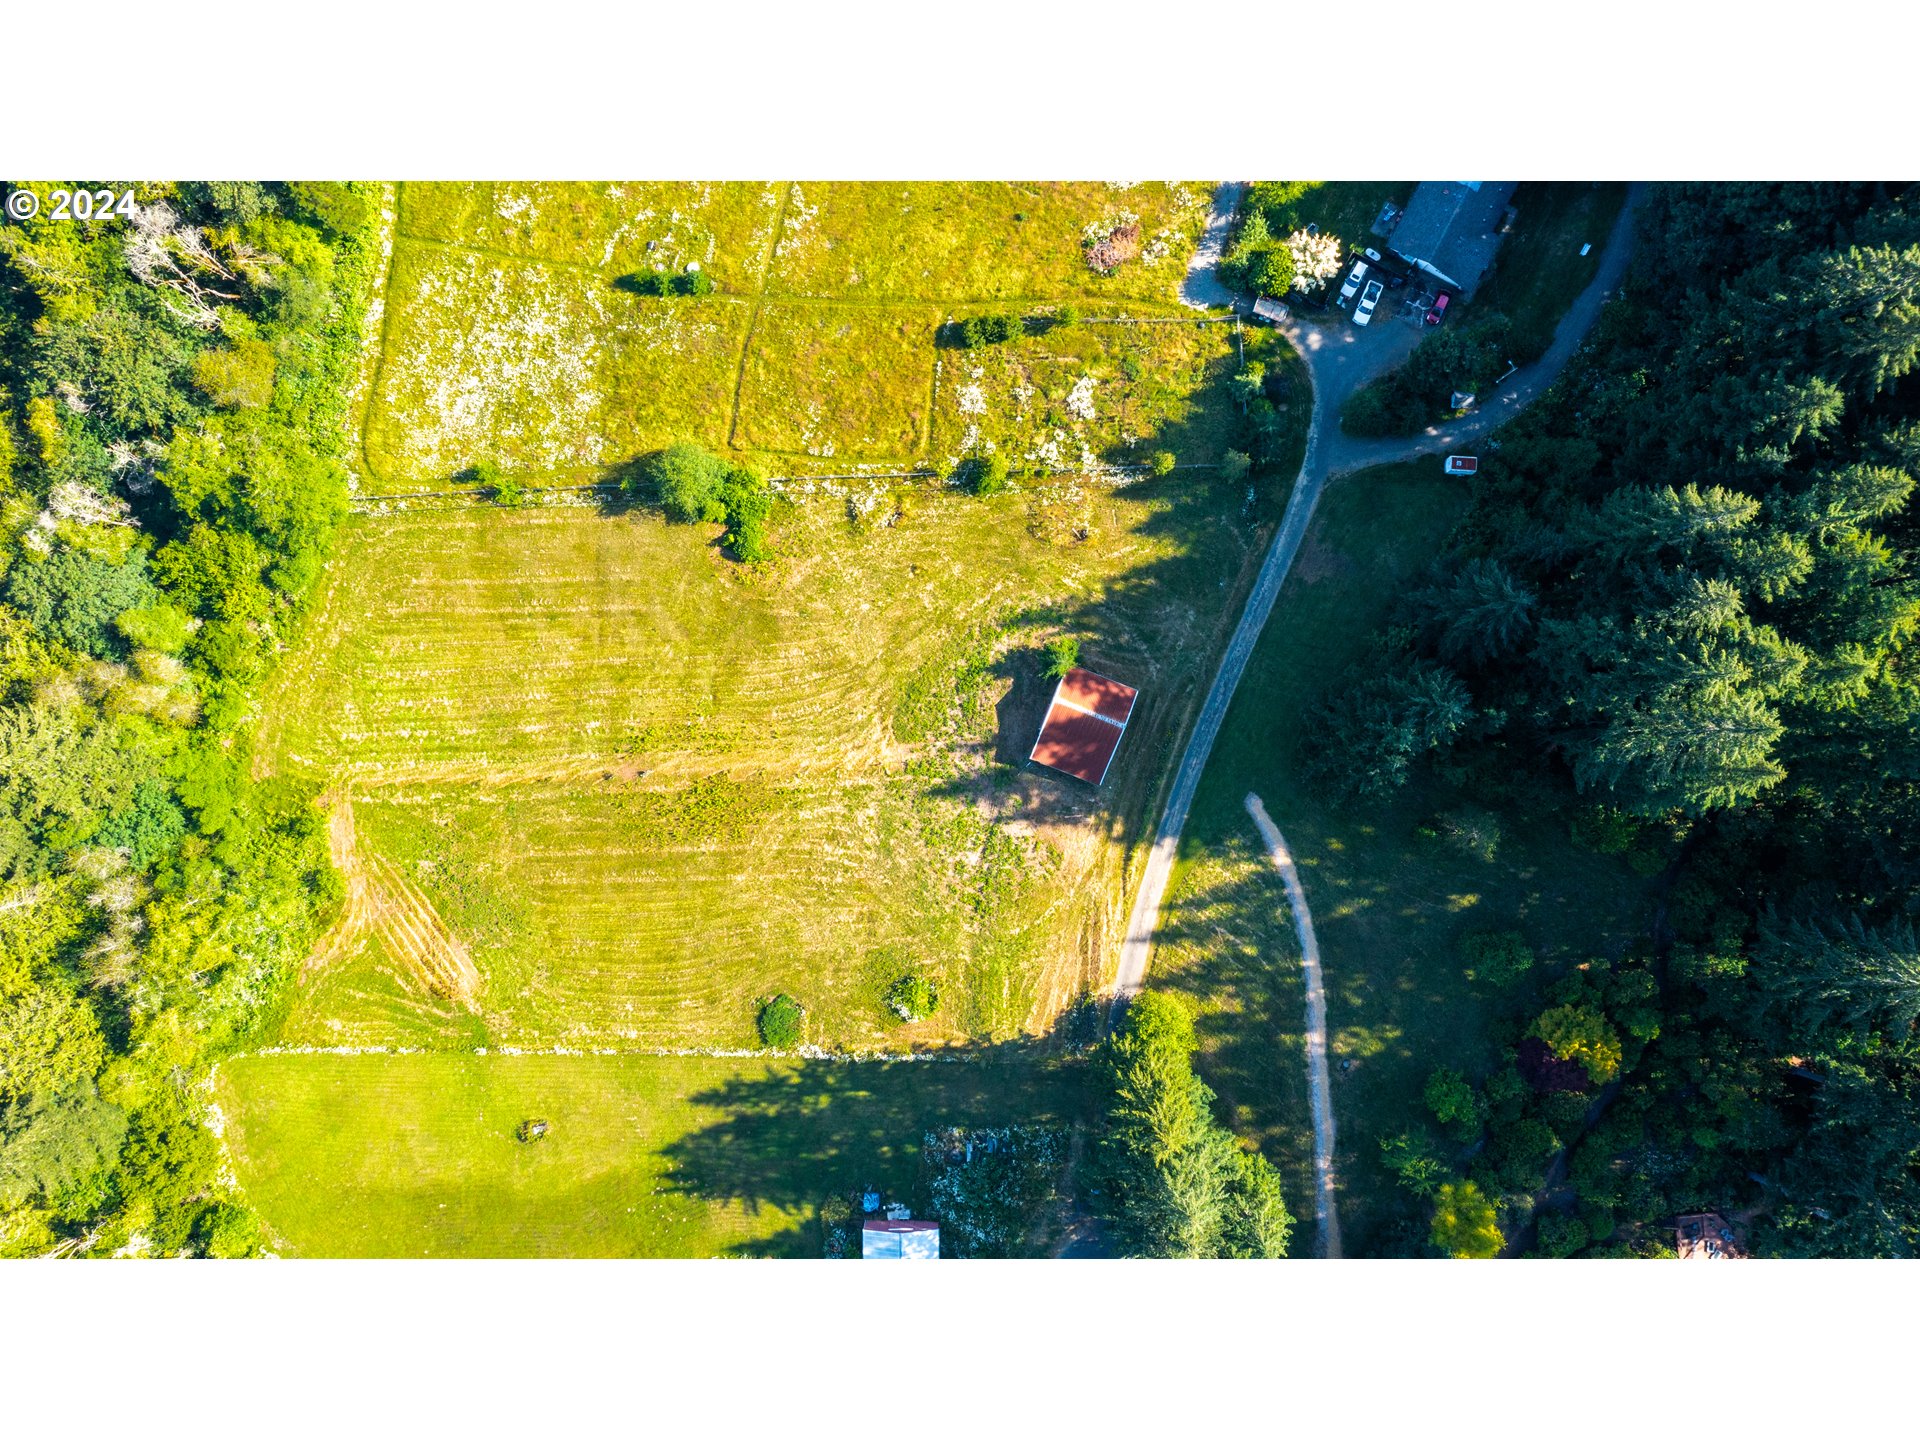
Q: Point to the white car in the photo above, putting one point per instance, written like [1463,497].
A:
[1354,277]
[1363,312]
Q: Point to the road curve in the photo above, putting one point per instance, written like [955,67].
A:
[1326,1214]
[1329,454]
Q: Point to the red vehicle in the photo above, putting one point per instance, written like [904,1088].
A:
[1439,310]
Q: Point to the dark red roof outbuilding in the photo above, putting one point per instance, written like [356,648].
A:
[1085,721]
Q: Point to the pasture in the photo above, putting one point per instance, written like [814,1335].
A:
[512,333]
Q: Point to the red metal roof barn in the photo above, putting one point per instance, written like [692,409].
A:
[1085,721]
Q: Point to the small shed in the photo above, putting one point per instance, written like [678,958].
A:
[1271,310]
[1463,464]
[1085,720]
[900,1240]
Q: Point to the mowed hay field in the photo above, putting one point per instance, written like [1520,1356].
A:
[511,332]
[662,1156]
[644,788]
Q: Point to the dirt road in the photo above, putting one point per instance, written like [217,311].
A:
[1326,1215]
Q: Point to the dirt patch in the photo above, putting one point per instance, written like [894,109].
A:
[1318,560]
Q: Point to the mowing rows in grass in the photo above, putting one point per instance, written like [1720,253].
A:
[647,789]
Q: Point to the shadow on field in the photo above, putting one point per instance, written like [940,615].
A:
[1158,627]
[805,1131]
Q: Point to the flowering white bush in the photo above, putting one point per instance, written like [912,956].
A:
[1080,398]
[1316,259]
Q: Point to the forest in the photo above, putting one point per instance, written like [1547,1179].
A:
[173,416]
[1684,599]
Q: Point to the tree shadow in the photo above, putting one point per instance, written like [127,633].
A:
[795,1133]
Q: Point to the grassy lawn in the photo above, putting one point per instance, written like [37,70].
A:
[846,381]
[1539,270]
[1347,208]
[1389,907]
[980,241]
[415,1155]
[646,789]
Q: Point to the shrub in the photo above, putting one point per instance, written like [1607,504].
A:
[1270,272]
[1063,653]
[240,378]
[983,474]
[1605,830]
[507,491]
[1235,464]
[1464,1225]
[1562,1236]
[1067,315]
[686,478]
[159,626]
[693,282]
[1577,1033]
[1131,368]
[647,282]
[1411,1158]
[1156,1019]
[1451,1097]
[912,997]
[1498,957]
[979,330]
[782,1022]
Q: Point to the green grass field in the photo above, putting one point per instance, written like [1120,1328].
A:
[1389,907]
[510,334]
[725,227]
[660,1156]
[980,241]
[1090,394]
[549,370]
[1540,271]
[848,382]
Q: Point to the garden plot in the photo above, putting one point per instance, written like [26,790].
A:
[724,227]
[982,241]
[846,382]
[1078,396]
[549,371]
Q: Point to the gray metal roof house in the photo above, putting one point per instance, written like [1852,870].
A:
[1451,229]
